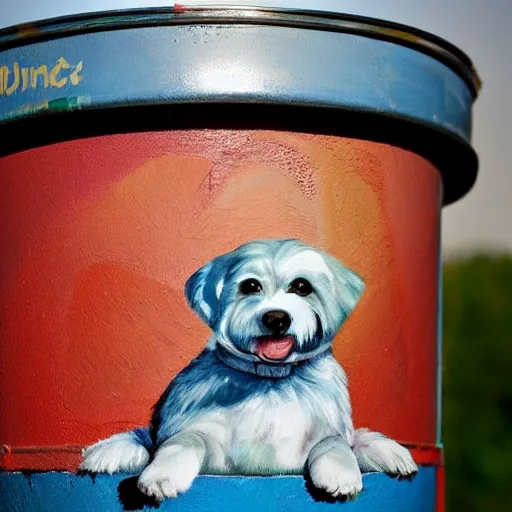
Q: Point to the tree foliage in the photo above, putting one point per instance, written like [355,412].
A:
[477,383]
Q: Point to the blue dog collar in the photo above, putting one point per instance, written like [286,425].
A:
[265,370]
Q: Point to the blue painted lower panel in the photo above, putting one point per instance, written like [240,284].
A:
[59,492]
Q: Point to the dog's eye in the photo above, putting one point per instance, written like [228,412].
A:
[250,286]
[300,286]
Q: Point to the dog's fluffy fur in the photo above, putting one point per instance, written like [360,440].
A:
[220,418]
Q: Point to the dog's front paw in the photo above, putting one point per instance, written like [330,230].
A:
[399,462]
[331,475]
[376,452]
[166,478]
[118,454]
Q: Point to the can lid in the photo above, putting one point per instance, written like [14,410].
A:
[193,14]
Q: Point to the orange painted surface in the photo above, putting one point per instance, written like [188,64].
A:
[99,235]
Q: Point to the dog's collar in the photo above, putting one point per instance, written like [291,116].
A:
[266,370]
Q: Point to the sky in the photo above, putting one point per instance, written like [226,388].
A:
[483,219]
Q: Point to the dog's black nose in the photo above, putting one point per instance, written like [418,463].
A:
[277,321]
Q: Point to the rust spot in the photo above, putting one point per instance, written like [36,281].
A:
[400,34]
[27,30]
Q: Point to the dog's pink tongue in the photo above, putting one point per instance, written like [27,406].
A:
[275,348]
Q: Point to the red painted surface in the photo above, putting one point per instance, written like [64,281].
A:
[68,458]
[98,237]
[440,489]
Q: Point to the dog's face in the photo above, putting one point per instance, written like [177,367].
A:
[274,300]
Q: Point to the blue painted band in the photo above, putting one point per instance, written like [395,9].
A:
[65,492]
[215,63]
[404,35]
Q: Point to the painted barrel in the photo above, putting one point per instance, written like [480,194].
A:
[212,220]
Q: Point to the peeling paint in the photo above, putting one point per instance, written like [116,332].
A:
[57,105]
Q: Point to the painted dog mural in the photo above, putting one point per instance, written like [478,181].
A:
[266,395]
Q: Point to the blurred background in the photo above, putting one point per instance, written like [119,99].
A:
[477,235]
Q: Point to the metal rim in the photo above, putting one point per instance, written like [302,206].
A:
[444,150]
[403,35]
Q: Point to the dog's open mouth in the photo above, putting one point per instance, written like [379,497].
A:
[274,348]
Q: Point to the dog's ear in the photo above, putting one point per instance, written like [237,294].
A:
[348,286]
[204,287]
